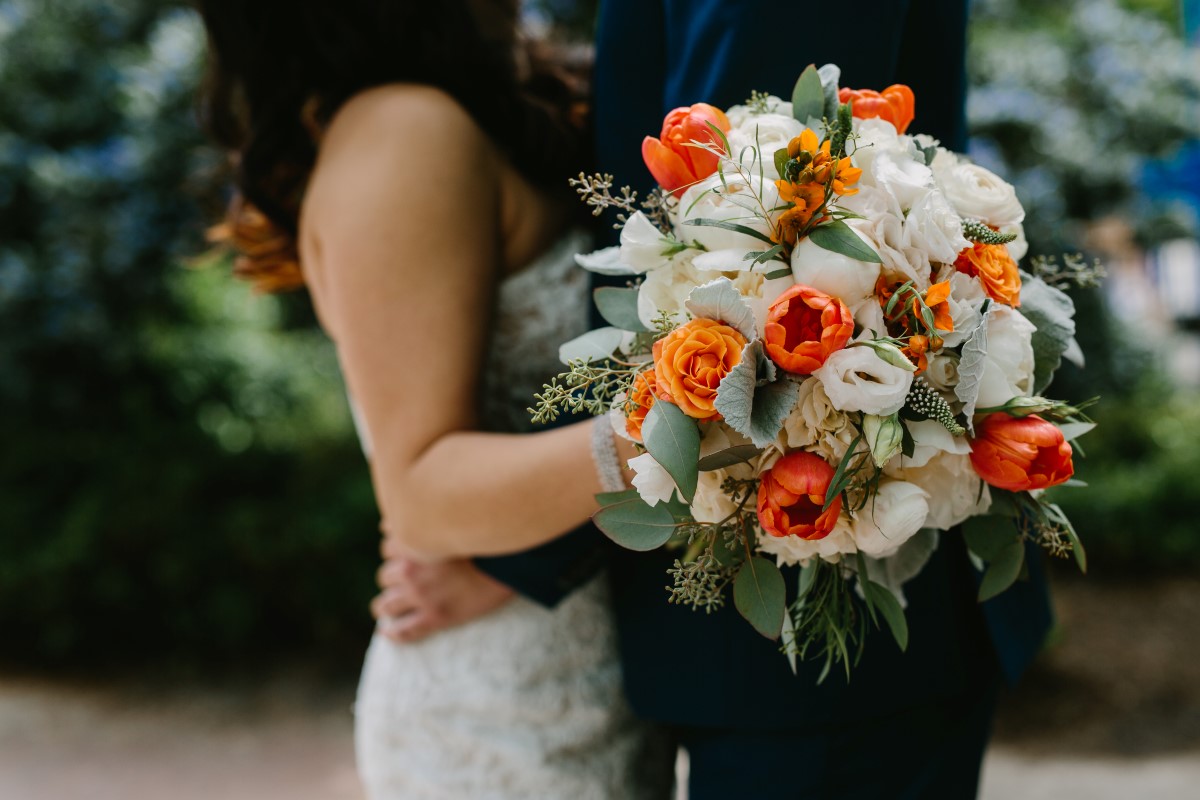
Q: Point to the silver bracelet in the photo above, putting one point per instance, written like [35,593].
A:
[604,456]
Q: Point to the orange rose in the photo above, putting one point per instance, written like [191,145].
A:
[1020,454]
[996,269]
[896,104]
[673,161]
[691,361]
[642,395]
[790,496]
[804,326]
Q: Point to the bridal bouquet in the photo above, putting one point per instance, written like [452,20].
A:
[828,354]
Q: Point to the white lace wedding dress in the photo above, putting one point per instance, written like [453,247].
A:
[525,703]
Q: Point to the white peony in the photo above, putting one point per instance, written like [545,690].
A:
[737,200]
[758,136]
[856,379]
[1008,364]
[849,280]
[642,244]
[902,176]
[890,518]
[977,193]
[882,227]
[957,493]
[875,138]
[815,425]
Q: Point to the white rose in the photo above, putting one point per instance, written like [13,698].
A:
[815,425]
[737,200]
[978,193]
[855,379]
[762,134]
[935,229]
[1008,363]
[942,372]
[849,280]
[642,244]
[956,492]
[794,550]
[653,483]
[890,518]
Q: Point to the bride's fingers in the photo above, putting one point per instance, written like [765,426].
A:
[395,572]
[392,603]
[411,627]
[390,547]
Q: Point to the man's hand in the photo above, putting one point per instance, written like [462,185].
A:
[420,598]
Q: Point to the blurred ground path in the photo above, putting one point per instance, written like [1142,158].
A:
[1111,712]
[288,741]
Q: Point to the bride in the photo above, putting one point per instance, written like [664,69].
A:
[407,162]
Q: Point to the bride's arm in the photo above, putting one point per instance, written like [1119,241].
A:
[401,237]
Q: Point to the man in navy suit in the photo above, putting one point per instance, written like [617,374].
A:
[907,725]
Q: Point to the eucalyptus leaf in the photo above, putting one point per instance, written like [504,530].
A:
[635,525]
[782,272]
[759,594]
[719,300]
[971,367]
[1052,313]
[838,237]
[1003,570]
[619,307]
[808,96]
[889,607]
[987,535]
[595,345]
[738,454]
[673,439]
[789,640]
[612,498]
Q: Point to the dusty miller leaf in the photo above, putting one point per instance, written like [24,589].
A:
[971,367]
[1052,312]
[752,401]
[719,300]
[830,74]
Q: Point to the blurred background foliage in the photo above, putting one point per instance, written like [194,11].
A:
[179,474]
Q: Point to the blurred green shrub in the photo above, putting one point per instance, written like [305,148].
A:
[178,473]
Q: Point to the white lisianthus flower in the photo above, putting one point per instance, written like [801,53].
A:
[642,244]
[1008,364]
[882,227]
[737,200]
[848,280]
[935,229]
[965,301]
[957,492]
[815,425]
[794,550]
[653,483]
[978,193]
[856,379]
[896,512]
[762,134]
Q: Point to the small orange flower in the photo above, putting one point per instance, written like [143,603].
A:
[804,326]
[996,270]
[642,395]
[795,222]
[895,104]
[937,298]
[672,159]
[690,363]
[916,350]
[791,494]
[1019,454]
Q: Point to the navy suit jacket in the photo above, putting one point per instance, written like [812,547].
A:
[686,667]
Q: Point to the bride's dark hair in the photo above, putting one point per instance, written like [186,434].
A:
[278,70]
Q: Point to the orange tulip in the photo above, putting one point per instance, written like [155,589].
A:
[791,494]
[642,395]
[804,326]
[895,104]
[996,269]
[673,161]
[691,361]
[1019,454]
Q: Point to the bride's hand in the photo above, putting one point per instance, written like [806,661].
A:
[421,598]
